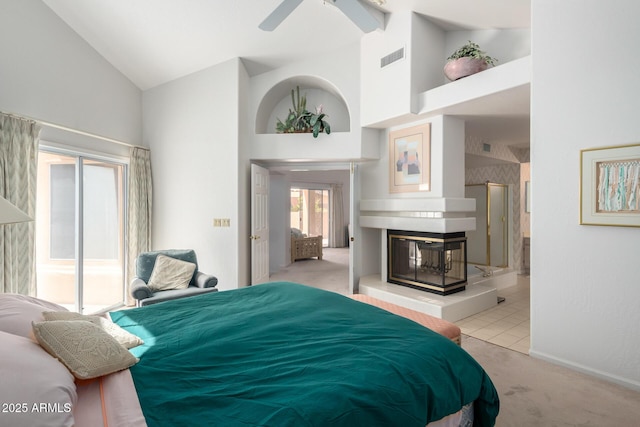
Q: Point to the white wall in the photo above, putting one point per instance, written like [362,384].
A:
[47,72]
[192,127]
[585,285]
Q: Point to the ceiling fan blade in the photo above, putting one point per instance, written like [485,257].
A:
[358,14]
[276,17]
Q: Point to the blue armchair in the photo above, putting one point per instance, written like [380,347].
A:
[145,295]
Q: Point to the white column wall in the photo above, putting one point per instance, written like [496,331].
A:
[585,283]
[192,127]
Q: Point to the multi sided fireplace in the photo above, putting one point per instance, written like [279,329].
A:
[433,262]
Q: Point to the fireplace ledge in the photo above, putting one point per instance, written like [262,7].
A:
[436,215]
[453,307]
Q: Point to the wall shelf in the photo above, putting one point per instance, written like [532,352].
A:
[436,215]
[343,146]
[503,90]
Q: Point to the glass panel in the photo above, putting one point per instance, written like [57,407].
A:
[55,229]
[310,212]
[63,210]
[103,274]
[417,260]
[102,281]
[296,209]
[498,227]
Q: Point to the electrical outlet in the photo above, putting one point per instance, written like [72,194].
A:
[225,222]
[217,222]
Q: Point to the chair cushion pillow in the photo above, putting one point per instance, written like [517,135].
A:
[147,260]
[125,338]
[85,349]
[170,273]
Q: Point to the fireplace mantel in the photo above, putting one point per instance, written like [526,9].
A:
[434,215]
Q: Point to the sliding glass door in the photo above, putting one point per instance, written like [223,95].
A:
[80,231]
[310,212]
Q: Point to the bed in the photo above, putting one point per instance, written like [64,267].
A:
[284,354]
[277,354]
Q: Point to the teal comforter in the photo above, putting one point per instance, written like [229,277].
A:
[283,354]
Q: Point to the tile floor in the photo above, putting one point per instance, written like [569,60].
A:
[507,324]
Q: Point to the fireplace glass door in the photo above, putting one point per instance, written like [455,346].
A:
[429,261]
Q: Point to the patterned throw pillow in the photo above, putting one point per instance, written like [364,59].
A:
[170,273]
[125,338]
[85,349]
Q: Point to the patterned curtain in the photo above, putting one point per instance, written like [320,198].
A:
[139,212]
[18,165]
[337,213]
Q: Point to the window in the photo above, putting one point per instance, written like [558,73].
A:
[80,231]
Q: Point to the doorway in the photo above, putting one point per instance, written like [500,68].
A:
[284,179]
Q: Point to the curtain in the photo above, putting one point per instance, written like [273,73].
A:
[337,238]
[139,211]
[18,166]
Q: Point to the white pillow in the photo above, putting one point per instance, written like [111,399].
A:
[30,376]
[125,338]
[85,349]
[170,273]
[18,311]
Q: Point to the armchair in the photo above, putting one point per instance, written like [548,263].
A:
[146,262]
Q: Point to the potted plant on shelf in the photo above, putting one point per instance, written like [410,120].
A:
[301,120]
[467,60]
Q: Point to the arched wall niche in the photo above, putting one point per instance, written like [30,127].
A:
[277,102]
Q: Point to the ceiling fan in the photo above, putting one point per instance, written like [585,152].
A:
[362,16]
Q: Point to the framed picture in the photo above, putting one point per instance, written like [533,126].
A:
[610,186]
[410,159]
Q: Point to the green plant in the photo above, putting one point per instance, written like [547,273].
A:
[472,50]
[301,120]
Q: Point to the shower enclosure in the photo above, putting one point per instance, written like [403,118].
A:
[488,244]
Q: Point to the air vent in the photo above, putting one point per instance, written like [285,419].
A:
[392,57]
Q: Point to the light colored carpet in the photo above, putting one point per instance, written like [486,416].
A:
[532,392]
[330,273]
[537,393]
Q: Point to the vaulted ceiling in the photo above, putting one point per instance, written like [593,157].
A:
[155,41]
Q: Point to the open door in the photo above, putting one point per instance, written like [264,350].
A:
[259,225]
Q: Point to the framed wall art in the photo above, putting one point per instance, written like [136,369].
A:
[610,186]
[410,159]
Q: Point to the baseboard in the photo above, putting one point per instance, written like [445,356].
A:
[625,382]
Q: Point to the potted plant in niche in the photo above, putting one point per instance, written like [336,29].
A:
[467,60]
[301,120]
